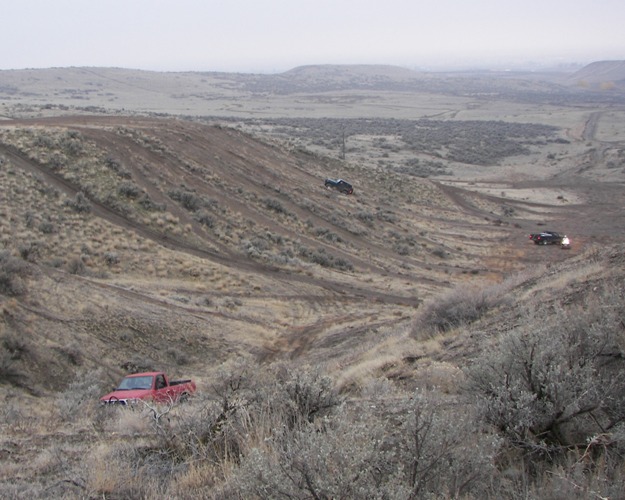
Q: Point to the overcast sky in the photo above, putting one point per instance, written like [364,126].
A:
[276,35]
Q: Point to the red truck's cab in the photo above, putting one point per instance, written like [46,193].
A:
[149,386]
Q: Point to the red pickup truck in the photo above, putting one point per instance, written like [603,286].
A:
[149,386]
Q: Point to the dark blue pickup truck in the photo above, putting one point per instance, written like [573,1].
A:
[340,185]
[546,238]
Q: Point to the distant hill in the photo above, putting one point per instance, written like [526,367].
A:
[600,75]
[118,90]
[349,71]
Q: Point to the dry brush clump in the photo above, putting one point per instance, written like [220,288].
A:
[370,449]
[14,273]
[457,308]
[553,389]
[14,351]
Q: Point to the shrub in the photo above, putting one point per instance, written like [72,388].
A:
[129,190]
[249,408]
[138,364]
[111,258]
[72,143]
[557,381]
[321,257]
[327,234]
[554,390]
[116,166]
[76,266]
[146,202]
[276,206]
[366,217]
[13,273]
[190,201]
[46,227]
[372,451]
[30,251]
[205,218]
[456,308]
[86,387]
[178,356]
[80,203]
[12,350]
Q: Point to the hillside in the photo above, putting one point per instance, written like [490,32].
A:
[317,325]
[240,233]
[605,75]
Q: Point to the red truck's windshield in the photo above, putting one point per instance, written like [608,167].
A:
[133,383]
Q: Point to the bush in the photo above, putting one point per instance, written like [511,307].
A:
[205,218]
[86,388]
[276,206]
[80,203]
[327,234]
[129,190]
[13,273]
[76,266]
[324,259]
[47,227]
[456,308]
[190,201]
[556,382]
[146,202]
[12,350]
[30,251]
[111,258]
[249,408]
[373,451]
[554,390]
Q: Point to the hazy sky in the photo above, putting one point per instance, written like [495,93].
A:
[276,35]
